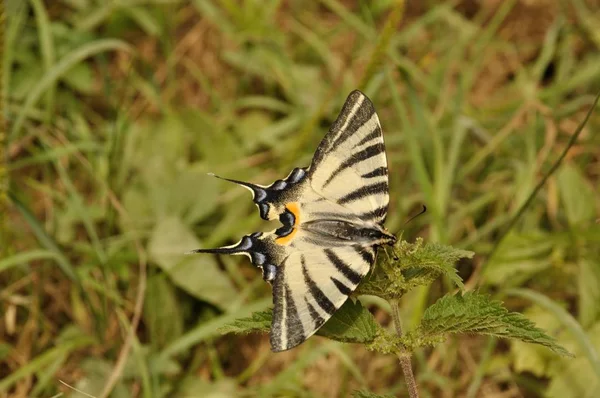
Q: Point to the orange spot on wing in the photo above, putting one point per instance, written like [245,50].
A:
[293,208]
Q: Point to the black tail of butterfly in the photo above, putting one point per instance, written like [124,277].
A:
[242,247]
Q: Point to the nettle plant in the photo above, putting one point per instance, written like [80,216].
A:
[401,268]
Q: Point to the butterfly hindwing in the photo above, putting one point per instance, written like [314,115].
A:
[311,284]
[260,247]
[271,199]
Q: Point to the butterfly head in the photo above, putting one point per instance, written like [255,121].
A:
[378,235]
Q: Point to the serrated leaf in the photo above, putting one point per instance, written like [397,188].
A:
[417,264]
[478,313]
[368,394]
[533,358]
[198,275]
[576,194]
[258,322]
[352,323]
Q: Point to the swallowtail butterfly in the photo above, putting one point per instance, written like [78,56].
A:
[332,216]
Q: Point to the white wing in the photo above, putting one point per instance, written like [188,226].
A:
[311,284]
[314,271]
[350,166]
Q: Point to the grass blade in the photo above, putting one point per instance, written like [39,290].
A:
[58,70]
[26,257]
[45,240]
[210,328]
[539,186]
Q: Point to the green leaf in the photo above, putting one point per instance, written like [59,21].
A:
[162,314]
[589,291]
[352,323]
[576,378]
[209,329]
[96,372]
[418,264]
[585,345]
[59,69]
[140,214]
[519,257]
[200,276]
[577,195]
[479,314]
[534,358]
[257,322]
[192,195]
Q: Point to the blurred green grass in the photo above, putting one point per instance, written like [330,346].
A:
[118,109]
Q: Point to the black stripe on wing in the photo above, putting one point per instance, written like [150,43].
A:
[378,172]
[357,110]
[343,268]
[364,154]
[377,215]
[365,191]
[362,115]
[314,315]
[367,254]
[287,330]
[294,330]
[316,292]
[375,134]
[345,290]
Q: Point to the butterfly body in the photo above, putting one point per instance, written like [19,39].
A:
[332,216]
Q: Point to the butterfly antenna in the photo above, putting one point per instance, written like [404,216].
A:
[417,215]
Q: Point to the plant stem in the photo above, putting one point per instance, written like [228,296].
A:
[403,355]
[538,187]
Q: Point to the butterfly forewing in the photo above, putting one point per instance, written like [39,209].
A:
[311,284]
[350,166]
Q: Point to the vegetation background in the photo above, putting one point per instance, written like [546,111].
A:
[118,109]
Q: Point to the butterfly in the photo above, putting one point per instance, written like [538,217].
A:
[331,215]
